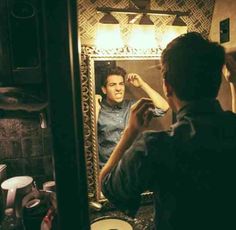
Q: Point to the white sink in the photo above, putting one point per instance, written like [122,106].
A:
[110,223]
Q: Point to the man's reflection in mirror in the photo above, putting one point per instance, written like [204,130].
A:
[113,110]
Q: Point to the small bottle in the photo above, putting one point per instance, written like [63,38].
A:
[10,221]
[47,222]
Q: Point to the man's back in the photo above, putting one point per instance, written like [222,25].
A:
[196,181]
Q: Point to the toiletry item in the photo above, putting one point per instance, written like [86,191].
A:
[47,222]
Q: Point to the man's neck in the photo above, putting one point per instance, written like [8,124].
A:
[112,103]
[176,104]
[180,104]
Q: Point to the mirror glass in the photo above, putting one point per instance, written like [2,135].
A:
[147,66]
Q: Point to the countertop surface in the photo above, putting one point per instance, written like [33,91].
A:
[142,221]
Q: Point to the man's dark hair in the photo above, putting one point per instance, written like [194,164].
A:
[192,65]
[111,71]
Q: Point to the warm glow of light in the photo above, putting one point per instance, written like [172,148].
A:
[142,36]
[170,33]
[108,36]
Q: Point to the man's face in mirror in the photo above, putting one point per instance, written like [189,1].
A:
[114,89]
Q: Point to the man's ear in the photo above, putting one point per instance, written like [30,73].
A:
[168,90]
[104,90]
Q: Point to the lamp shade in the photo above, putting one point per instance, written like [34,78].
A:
[178,22]
[108,18]
[145,20]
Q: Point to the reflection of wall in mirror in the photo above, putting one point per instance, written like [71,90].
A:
[224,95]
[149,71]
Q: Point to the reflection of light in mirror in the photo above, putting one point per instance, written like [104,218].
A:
[142,36]
[171,32]
[108,36]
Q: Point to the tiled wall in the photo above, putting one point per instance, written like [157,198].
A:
[25,147]
[199,19]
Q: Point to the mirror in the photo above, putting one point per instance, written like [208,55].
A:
[145,63]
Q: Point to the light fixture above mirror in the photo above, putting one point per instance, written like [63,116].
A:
[143,30]
[145,20]
[108,18]
[135,11]
[178,22]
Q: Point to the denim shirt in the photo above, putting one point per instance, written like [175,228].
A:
[112,121]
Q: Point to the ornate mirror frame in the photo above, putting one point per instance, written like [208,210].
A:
[88,55]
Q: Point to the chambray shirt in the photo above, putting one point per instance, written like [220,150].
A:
[111,123]
[191,170]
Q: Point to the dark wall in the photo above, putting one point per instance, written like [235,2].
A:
[25,147]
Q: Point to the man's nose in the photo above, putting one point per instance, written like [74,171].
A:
[118,87]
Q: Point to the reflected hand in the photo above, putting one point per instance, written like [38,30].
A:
[135,80]
[141,115]
[98,99]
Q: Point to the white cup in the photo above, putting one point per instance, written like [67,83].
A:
[49,186]
[14,189]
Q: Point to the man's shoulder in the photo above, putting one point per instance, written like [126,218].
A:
[157,138]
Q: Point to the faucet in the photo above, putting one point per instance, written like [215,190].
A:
[95,205]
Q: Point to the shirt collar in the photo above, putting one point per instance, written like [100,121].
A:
[200,107]
[112,107]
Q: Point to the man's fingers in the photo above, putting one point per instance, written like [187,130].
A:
[148,117]
[142,110]
[140,102]
[132,76]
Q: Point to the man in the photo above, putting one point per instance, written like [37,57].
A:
[191,167]
[113,112]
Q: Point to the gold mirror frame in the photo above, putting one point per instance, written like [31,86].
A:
[88,55]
